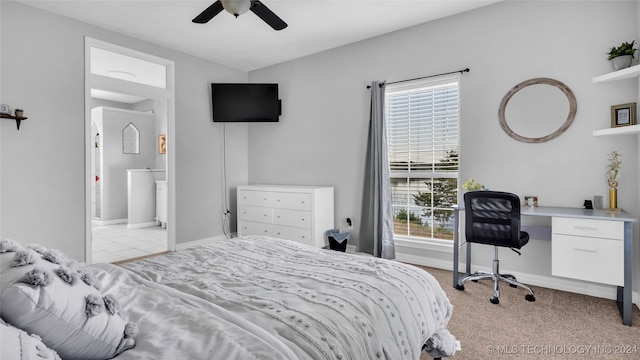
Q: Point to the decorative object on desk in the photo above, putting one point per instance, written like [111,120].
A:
[623,115]
[4,109]
[621,56]
[613,175]
[588,205]
[597,202]
[531,200]
[472,185]
[19,113]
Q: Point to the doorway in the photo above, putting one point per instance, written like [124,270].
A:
[129,121]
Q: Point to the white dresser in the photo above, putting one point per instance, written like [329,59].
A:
[299,213]
[161,203]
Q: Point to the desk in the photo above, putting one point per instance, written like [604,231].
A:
[623,292]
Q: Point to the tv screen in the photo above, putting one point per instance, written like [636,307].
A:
[245,102]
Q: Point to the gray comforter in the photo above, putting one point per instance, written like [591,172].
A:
[301,302]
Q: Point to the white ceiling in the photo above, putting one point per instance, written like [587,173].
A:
[247,43]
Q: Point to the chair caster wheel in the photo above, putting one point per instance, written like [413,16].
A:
[530,297]
[460,287]
[494,300]
[513,286]
[475,281]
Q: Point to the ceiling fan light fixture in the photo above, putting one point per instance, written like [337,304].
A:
[236,7]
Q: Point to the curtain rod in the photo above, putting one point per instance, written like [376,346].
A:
[423,77]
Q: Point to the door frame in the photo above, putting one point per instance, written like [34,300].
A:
[119,86]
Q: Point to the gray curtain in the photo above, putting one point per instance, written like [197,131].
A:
[376,224]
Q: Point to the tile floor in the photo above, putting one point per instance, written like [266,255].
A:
[116,242]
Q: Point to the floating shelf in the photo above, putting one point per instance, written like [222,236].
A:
[622,130]
[628,73]
[18,119]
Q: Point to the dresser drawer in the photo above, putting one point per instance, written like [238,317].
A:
[256,198]
[591,228]
[589,259]
[294,201]
[255,228]
[290,233]
[295,218]
[254,213]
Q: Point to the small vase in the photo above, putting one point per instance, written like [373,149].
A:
[19,113]
[621,62]
[613,198]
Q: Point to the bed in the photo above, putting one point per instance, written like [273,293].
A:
[245,298]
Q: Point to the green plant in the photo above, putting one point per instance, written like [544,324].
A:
[624,49]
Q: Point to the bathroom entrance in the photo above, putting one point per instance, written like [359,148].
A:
[129,99]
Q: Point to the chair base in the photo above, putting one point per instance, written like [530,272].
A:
[496,277]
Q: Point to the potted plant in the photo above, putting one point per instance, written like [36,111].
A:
[622,55]
[19,113]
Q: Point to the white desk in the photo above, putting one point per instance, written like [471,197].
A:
[623,292]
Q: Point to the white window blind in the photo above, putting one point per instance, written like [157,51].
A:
[422,137]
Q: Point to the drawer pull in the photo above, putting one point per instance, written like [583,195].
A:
[586,250]
[586,227]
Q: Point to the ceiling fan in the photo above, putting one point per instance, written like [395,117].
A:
[239,7]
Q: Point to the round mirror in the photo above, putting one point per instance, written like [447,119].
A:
[537,113]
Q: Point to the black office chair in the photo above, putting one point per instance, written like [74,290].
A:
[493,218]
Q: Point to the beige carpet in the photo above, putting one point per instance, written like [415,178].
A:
[558,325]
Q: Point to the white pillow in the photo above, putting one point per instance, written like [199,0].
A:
[59,311]
[17,344]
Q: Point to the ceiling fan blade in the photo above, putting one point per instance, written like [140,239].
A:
[267,15]
[208,13]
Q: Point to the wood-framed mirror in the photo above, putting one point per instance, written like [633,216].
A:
[536,111]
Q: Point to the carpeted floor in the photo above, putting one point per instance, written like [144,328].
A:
[558,325]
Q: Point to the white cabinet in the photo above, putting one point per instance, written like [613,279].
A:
[161,203]
[299,213]
[590,250]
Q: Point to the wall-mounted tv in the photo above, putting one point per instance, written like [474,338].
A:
[245,102]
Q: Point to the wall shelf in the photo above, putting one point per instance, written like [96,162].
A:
[18,119]
[622,130]
[628,73]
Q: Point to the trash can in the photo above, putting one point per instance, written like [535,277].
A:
[337,240]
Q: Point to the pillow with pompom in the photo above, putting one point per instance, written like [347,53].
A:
[16,344]
[46,294]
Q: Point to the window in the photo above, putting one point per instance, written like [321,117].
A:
[422,139]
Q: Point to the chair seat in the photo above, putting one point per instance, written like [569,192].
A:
[522,241]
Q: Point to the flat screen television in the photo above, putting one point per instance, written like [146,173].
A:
[245,102]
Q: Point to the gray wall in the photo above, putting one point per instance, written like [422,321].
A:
[43,168]
[321,136]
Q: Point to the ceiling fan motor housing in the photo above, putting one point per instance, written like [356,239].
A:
[236,7]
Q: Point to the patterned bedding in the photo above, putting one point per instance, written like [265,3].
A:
[265,298]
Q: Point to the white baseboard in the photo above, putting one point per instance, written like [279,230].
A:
[550,282]
[96,222]
[141,225]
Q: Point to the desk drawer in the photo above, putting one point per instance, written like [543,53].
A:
[592,228]
[589,259]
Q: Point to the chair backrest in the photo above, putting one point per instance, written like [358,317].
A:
[493,218]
